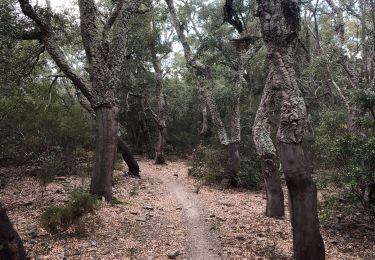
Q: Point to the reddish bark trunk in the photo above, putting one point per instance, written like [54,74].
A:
[274,191]
[307,241]
[11,246]
[371,196]
[159,147]
[105,153]
[233,164]
[128,158]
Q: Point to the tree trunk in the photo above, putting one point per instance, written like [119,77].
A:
[371,196]
[274,191]
[128,158]
[160,117]
[307,241]
[10,242]
[159,147]
[105,153]
[280,25]
[266,150]
[233,164]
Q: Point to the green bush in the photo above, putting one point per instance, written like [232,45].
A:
[30,128]
[208,165]
[60,218]
[349,153]
[250,175]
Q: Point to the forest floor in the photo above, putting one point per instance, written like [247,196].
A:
[165,215]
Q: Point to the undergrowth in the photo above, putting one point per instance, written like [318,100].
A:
[60,218]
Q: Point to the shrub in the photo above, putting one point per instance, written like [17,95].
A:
[60,218]
[208,165]
[350,154]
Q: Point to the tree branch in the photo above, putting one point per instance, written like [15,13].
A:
[53,48]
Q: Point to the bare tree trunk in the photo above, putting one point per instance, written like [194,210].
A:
[371,196]
[365,52]
[372,66]
[159,147]
[159,118]
[105,152]
[10,242]
[233,164]
[121,145]
[280,24]
[128,158]
[266,149]
[307,241]
[204,129]
[316,28]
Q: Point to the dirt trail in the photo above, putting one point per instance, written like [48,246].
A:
[159,217]
[203,244]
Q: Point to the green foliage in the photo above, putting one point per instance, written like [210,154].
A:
[30,127]
[250,175]
[115,179]
[349,153]
[208,165]
[116,201]
[60,218]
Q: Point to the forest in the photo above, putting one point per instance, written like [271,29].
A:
[187,129]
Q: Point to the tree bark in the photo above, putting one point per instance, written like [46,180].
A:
[159,118]
[280,25]
[10,242]
[233,164]
[307,241]
[371,196]
[128,158]
[121,145]
[159,147]
[266,150]
[105,152]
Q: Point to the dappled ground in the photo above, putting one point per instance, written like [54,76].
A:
[161,216]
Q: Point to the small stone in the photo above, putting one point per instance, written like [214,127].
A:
[347,249]
[141,219]
[173,254]
[94,243]
[240,237]
[261,239]
[32,233]
[221,218]
[333,242]
[171,227]
[148,207]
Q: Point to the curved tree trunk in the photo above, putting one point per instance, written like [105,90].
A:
[10,242]
[105,152]
[128,158]
[307,241]
[280,24]
[266,150]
